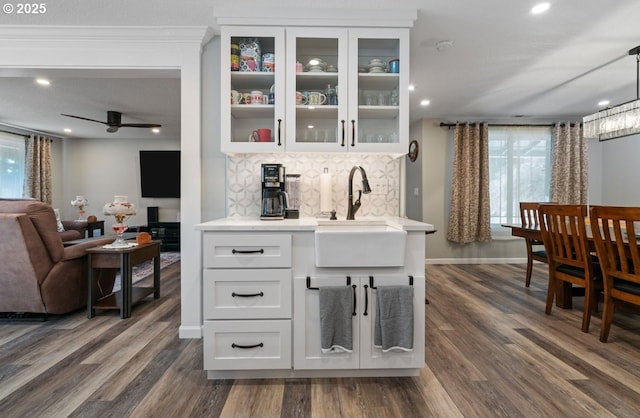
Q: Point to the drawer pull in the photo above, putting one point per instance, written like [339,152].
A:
[234,345]
[260,251]
[243,295]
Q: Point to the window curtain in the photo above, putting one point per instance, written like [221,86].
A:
[37,178]
[569,175]
[469,217]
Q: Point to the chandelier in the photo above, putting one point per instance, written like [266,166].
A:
[621,120]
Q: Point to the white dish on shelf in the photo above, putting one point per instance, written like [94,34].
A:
[377,70]
[377,64]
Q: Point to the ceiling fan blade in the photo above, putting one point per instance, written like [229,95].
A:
[80,117]
[140,125]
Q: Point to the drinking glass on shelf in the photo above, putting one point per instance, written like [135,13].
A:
[371,99]
[383,98]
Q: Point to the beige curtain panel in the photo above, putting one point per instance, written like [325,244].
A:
[569,174]
[469,217]
[37,179]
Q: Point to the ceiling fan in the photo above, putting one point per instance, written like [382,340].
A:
[114,122]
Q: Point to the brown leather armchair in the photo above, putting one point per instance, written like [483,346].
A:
[37,273]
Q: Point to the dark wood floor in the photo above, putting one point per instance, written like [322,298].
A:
[490,352]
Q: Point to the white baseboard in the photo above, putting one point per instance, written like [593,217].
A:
[475,260]
[190,332]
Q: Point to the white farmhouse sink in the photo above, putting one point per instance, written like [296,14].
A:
[359,244]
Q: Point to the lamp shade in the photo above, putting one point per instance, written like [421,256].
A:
[119,206]
[79,202]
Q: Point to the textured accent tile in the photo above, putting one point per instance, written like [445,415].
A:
[244,187]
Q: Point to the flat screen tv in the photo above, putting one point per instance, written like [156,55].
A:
[160,173]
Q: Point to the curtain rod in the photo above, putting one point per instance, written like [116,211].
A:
[17,130]
[515,125]
[13,133]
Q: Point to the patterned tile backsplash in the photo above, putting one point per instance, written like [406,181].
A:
[383,172]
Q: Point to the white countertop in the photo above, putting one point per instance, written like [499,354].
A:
[306,224]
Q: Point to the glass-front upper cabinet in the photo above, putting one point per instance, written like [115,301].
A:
[317,103]
[379,89]
[252,90]
[347,89]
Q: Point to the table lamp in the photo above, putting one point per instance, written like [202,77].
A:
[121,209]
[80,202]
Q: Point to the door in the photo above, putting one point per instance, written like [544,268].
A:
[317,72]
[306,328]
[252,89]
[379,89]
[374,358]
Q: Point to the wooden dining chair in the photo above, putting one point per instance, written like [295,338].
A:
[535,248]
[619,254]
[564,234]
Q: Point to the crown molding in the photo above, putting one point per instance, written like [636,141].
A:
[168,34]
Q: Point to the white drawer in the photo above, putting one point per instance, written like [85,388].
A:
[250,250]
[241,345]
[245,294]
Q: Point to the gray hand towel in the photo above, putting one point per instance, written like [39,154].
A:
[393,324]
[336,307]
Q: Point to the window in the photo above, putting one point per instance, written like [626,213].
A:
[519,170]
[12,149]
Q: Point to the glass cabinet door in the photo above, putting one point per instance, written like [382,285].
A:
[379,87]
[317,89]
[252,89]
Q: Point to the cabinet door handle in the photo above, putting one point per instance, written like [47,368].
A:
[246,295]
[353,133]
[279,129]
[366,300]
[234,345]
[260,251]
[354,300]
[343,132]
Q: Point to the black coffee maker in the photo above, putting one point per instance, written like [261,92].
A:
[274,199]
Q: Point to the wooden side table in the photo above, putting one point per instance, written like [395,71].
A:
[123,259]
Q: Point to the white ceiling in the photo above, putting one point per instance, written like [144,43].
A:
[504,63]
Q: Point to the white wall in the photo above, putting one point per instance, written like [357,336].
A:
[621,171]
[102,168]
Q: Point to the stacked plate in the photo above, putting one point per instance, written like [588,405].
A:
[316,65]
[377,66]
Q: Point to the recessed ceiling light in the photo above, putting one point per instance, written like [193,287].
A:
[67,130]
[43,81]
[603,102]
[540,8]
[155,130]
[425,102]
[412,87]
